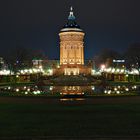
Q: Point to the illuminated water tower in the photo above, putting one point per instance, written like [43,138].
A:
[71,46]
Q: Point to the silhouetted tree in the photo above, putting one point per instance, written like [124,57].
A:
[21,57]
[106,56]
[132,55]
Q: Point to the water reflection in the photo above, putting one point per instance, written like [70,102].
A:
[121,89]
[70,90]
[72,99]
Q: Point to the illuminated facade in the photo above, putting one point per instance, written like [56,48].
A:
[37,63]
[71,47]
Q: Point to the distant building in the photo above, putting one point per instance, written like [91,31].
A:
[2,66]
[115,63]
[37,63]
[119,63]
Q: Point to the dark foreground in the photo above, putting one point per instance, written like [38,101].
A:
[101,118]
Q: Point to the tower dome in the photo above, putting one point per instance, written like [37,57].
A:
[71,23]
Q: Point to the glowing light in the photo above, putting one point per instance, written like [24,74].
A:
[135,71]
[5,72]
[93,71]
[35,92]
[127,89]
[38,91]
[119,61]
[115,89]
[30,71]
[119,87]
[25,70]
[93,88]
[118,92]
[28,89]
[122,70]
[35,70]
[22,71]
[109,92]
[108,70]
[51,87]
[50,72]
[117,70]
[102,67]
[40,67]
[17,90]
[113,70]
[135,87]
[105,91]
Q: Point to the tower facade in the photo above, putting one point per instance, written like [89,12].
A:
[71,46]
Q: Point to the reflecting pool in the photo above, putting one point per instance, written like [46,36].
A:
[71,90]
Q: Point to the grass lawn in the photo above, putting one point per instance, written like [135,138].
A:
[122,83]
[17,84]
[38,117]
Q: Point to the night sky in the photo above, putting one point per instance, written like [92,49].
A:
[36,23]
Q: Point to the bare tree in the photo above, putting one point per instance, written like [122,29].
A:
[21,57]
[132,55]
[106,56]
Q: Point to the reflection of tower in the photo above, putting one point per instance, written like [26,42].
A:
[71,46]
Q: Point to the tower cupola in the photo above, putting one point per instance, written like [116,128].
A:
[71,24]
